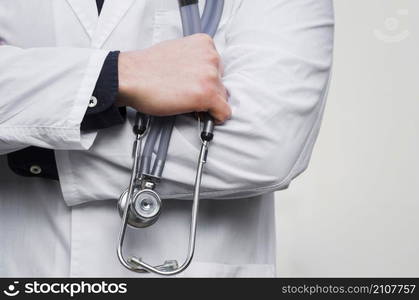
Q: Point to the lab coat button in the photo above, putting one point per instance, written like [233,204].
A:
[36,170]
[93,102]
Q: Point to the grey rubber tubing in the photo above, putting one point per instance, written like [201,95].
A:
[191,24]
[211,16]
[161,156]
[146,156]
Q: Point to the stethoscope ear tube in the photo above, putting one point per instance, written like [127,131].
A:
[191,23]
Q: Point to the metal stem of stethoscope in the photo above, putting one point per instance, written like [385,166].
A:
[169,267]
[193,226]
[191,24]
[136,157]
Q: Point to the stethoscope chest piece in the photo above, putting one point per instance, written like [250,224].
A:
[144,210]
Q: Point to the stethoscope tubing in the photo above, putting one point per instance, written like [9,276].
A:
[191,24]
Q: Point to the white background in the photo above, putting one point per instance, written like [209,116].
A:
[355,212]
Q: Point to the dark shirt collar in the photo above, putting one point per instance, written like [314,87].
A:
[99,5]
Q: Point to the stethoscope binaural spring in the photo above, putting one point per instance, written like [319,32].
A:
[140,206]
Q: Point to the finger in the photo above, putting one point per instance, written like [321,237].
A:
[221,68]
[220,111]
[222,92]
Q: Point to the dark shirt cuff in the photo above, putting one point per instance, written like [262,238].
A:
[102,112]
[34,162]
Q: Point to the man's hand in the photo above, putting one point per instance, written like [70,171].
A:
[174,77]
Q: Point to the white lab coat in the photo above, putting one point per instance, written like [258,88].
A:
[277,56]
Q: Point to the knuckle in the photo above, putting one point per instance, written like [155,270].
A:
[202,104]
[202,96]
[205,38]
[208,90]
[213,57]
[212,75]
[225,112]
[227,115]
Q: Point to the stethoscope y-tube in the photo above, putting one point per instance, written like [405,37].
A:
[140,205]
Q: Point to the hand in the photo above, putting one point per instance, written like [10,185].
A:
[174,77]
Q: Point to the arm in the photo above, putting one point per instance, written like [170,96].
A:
[102,111]
[277,67]
[277,63]
[44,96]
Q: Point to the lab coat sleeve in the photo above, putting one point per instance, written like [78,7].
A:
[44,94]
[277,56]
[277,59]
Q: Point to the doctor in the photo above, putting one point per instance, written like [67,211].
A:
[70,73]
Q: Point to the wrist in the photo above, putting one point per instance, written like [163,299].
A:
[125,86]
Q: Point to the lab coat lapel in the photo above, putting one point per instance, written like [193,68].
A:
[86,12]
[112,13]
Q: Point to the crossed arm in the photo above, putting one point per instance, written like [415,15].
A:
[276,67]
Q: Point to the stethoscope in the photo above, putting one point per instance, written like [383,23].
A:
[140,206]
